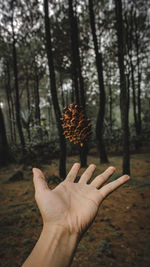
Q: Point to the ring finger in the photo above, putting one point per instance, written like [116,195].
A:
[102,178]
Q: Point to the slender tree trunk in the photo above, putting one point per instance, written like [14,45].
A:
[72,94]
[51,111]
[132,74]
[4,151]
[17,104]
[50,116]
[76,54]
[139,102]
[73,32]
[62,164]
[124,103]
[37,103]
[128,87]
[139,76]
[110,106]
[99,66]
[67,98]
[8,92]
[77,74]
[62,91]
[133,95]
[13,118]
[28,103]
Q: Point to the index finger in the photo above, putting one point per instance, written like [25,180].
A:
[73,172]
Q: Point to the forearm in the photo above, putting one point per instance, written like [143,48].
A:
[55,248]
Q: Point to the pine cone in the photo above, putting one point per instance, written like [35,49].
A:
[75,125]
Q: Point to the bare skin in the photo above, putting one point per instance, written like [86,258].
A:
[67,211]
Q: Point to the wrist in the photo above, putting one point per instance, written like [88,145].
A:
[59,228]
[61,244]
[59,232]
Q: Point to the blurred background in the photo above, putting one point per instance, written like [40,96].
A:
[95,54]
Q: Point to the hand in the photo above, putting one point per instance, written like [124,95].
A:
[74,205]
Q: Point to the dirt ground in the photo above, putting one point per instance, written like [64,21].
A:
[120,235]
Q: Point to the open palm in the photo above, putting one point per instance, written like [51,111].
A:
[74,205]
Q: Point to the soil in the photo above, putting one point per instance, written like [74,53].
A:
[119,236]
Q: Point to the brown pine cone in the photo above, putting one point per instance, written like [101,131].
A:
[75,125]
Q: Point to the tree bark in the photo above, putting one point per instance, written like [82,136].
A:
[62,163]
[62,91]
[28,103]
[77,74]
[110,106]
[8,93]
[17,102]
[139,76]
[130,48]
[4,151]
[12,101]
[67,98]
[99,66]
[15,70]
[73,32]
[37,103]
[124,102]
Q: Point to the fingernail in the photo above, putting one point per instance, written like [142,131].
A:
[77,164]
[93,165]
[34,170]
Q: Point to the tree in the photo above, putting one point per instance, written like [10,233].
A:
[15,68]
[124,100]
[9,101]
[62,163]
[4,151]
[77,73]
[99,66]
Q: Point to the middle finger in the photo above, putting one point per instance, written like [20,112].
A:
[87,174]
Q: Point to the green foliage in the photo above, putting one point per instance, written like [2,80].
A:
[26,18]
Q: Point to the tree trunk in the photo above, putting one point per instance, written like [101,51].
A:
[4,151]
[72,93]
[124,102]
[50,116]
[17,104]
[8,93]
[13,118]
[28,103]
[139,101]
[110,106]
[62,163]
[77,74]
[139,76]
[62,91]
[99,66]
[132,74]
[37,103]
[133,95]
[67,98]
[73,31]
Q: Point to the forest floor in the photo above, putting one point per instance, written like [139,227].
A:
[120,235]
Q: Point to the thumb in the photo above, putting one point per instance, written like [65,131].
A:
[39,180]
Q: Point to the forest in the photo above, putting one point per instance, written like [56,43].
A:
[84,64]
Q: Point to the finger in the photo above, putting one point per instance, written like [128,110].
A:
[109,188]
[87,174]
[103,177]
[39,180]
[73,172]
